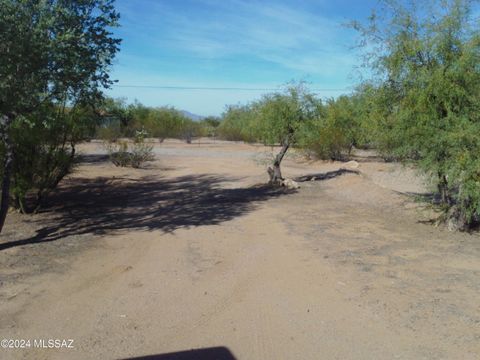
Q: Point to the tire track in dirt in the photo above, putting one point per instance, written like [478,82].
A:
[338,270]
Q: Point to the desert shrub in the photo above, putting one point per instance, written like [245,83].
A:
[192,129]
[141,151]
[238,123]
[45,152]
[118,153]
[124,154]
[330,144]
[109,132]
[162,122]
[210,126]
[365,133]
[331,133]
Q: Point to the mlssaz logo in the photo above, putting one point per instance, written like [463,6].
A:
[53,343]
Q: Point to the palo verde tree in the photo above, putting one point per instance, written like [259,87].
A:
[427,61]
[52,53]
[280,118]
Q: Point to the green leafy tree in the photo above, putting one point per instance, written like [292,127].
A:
[281,117]
[53,52]
[45,151]
[429,94]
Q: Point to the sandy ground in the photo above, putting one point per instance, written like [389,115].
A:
[189,254]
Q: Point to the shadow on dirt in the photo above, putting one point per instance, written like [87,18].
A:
[326,176]
[92,159]
[216,353]
[105,205]
[101,159]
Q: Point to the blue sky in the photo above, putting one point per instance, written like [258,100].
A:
[233,44]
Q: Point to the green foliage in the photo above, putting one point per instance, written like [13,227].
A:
[191,129]
[299,118]
[45,150]
[333,132]
[123,153]
[116,120]
[281,116]
[212,121]
[163,122]
[429,95]
[118,153]
[141,151]
[110,132]
[238,123]
[54,61]
[122,120]
[210,126]
[54,51]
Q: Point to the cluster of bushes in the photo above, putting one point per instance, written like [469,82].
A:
[238,124]
[427,98]
[122,120]
[329,129]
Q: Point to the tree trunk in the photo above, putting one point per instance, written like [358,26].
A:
[443,189]
[7,168]
[275,173]
[43,193]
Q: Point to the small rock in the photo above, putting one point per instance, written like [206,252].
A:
[352,164]
[290,184]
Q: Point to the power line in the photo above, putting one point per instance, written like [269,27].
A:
[215,88]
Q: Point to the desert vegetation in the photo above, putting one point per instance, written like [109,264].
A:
[55,60]
[291,225]
[420,106]
[122,120]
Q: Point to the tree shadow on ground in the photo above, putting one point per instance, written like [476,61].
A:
[215,353]
[92,159]
[106,205]
[101,159]
[326,176]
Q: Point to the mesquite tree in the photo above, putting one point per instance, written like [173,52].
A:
[281,116]
[51,51]
[427,60]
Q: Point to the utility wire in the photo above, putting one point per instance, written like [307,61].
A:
[215,88]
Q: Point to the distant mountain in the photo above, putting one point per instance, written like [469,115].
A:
[191,116]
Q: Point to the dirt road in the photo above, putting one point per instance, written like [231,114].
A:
[188,254]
